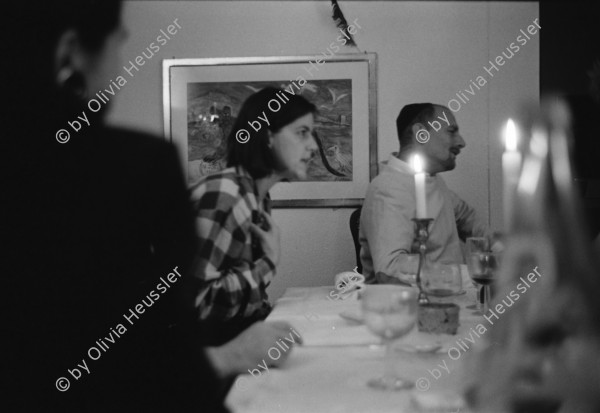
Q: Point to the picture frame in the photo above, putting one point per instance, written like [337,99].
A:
[201,98]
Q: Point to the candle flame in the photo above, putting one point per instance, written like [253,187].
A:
[510,136]
[417,164]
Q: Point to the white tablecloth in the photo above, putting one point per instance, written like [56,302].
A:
[329,372]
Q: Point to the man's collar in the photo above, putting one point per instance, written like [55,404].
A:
[399,165]
[402,166]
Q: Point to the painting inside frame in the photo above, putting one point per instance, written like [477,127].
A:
[202,102]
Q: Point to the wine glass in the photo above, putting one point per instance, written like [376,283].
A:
[408,268]
[483,267]
[390,311]
[476,245]
[441,279]
[405,274]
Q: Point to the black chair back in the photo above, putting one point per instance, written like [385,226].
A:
[354,226]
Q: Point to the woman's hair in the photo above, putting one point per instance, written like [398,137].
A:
[36,27]
[255,155]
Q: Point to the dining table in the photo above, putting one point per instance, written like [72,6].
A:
[329,372]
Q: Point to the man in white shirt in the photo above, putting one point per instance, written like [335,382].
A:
[386,226]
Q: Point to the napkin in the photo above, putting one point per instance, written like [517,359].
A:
[349,282]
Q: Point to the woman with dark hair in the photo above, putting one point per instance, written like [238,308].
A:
[96,223]
[238,249]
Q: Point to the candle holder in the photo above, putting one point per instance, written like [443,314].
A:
[420,241]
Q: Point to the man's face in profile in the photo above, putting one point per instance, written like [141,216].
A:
[445,144]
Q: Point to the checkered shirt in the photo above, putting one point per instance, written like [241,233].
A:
[233,275]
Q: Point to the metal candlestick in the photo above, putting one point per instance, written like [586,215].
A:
[420,241]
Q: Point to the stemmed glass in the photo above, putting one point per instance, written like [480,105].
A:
[476,245]
[483,267]
[408,268]
[390,311]
[440,279]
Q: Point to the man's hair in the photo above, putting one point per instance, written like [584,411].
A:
[255,155]
[409,115]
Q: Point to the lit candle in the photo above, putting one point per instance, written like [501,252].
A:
[420,187]
[511,167]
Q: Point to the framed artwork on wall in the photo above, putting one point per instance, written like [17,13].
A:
[202,97]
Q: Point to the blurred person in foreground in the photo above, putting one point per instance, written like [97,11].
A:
[91,227]
[238,249]
[543,351]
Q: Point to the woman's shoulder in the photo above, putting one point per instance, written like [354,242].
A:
[227,180]
[221,190]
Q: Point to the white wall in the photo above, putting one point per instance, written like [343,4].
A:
[427,51]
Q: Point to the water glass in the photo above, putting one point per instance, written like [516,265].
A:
[390,311]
